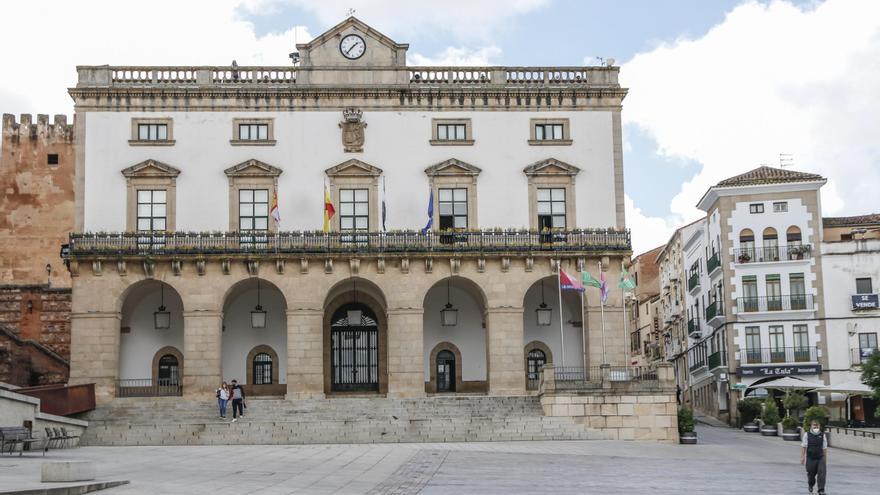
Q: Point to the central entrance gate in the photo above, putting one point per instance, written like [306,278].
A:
[354,350]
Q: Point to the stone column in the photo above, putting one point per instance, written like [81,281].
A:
[202,347]
[406,353]
[305,354]
[94,352]
[507,374]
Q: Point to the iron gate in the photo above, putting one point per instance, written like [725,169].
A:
[354,350]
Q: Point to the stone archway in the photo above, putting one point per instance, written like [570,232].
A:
[532,369]
[168,385]
[273,388]
[431,385]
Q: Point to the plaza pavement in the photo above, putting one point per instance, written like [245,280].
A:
[725,462]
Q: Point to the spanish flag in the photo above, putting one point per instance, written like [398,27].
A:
[329,211]
[276,215]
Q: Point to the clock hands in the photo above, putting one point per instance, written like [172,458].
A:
[348,52]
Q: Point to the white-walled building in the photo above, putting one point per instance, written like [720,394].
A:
[186,273]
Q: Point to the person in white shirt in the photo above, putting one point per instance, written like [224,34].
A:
[814,450]
[223,399]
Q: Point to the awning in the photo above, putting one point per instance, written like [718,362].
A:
[789,383]
[852,387]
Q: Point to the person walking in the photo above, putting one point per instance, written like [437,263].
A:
[223,399]
[237,393]
[814,451]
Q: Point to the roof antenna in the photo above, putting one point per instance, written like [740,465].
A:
[786,160]
[350,12]
[294,56]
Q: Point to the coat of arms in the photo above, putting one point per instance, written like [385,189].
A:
[352,130]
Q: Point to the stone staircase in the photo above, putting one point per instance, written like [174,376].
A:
[173,421]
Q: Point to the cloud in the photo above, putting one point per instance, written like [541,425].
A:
[647,232]
[200,32]
[454,56]
[462,19]
[771,78]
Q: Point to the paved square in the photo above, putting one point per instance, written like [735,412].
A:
[726,461]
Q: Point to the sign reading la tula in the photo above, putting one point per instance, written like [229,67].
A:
[807,369]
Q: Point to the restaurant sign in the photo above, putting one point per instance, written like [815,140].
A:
[781,370]
[866,301]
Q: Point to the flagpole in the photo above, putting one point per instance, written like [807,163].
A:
[559,289]
[602,309]
[584,330]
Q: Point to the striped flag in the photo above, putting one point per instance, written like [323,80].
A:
[276,215]
[603,290]
[430,213]
[567,282]
[329,210]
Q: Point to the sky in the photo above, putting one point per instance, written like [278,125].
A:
[716,87]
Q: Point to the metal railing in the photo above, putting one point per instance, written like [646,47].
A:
[694,280]
[145,387]
[713,262]
[717,359]
[697,364]
[779,355]
[305,243]
[693,326]
[852,432]
[773,253]
[859,356]
[714,309]
[787,302]
[593,376]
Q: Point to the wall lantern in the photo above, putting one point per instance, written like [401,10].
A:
[258,315]
[354,315]
[448,315]
[543,313]
[162,318]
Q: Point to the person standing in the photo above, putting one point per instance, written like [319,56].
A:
[223,399]
[814,451]
[237,393]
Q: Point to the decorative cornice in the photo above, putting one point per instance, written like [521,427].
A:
[150,168]
[452,167]
[551,166]
[353,168]
[253,168]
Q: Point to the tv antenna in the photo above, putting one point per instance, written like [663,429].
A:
[294,56]
[350,12]
[786,160]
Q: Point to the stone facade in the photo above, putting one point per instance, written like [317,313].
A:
[34,335]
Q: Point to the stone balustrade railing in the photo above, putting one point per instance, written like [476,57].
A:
[206,76]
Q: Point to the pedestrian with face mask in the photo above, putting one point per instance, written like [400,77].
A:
[814,451]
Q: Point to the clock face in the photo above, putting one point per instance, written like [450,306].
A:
[352,47]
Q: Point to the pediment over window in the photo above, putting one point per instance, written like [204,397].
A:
[150,168]
[453,167]
[253,168]
[353,168]
[551,166]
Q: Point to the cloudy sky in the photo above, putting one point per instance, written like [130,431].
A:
[716,87]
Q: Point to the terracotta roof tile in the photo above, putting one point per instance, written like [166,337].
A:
[768,175]
[870,219]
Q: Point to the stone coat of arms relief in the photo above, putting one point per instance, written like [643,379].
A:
[353,130]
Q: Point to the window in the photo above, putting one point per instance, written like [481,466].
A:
[151,210]
[746,246]
[753,345]
[52,159]
[451,132]
[253,132]
[780,206]
[549,132]
[774,293]
[867,345]
[536,359]
[797,291]
[262,369]
[354,208]
[168,371]
[801,342]
[453,208]
[777,344]
[750,293]
[756,208]
[152,132]
[551,208]
[863,286]
[771,244]
[253,215]
[546,132]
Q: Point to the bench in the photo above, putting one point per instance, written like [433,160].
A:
[12,436]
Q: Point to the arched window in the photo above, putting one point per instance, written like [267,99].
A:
[168,370]
[771,244]
[535,360]
[262,369]
[746,246]
[445,371]
[793,236]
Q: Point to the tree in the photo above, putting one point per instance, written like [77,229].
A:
[871,375]
[770,415]
[793,402]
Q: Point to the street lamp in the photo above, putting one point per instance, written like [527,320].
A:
[161,317]
[543,313]
[448,315]
[258,315]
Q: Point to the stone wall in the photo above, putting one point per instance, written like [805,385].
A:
[622,410]
[37,204]
[34,335]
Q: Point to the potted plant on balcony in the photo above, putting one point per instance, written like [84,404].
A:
[686,433]
[744,258]
[798,252]
[790,431]
[749,409]
[770,417]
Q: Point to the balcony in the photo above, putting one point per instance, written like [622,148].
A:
[304,244]
[693,281]
[717,360]
[860,356]
[697,365]
[778,355]
[694,327]
[715,313]
[713,263]
[774,253]
[797,302]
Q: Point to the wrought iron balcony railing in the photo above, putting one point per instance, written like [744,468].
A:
[714,309]
[320,243]
[146,387]
[717,359]
[773,253]
[713,262]
[693,326]
[778,355]
[693,280]
[795,302]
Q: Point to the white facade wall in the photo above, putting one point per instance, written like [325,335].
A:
[139,345]
[239,337]
[549,335]
[309,142]
[469,335]
[842,263]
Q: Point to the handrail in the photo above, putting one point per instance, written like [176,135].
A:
[786,302]
[773,253]
[806,354]
[319,243]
